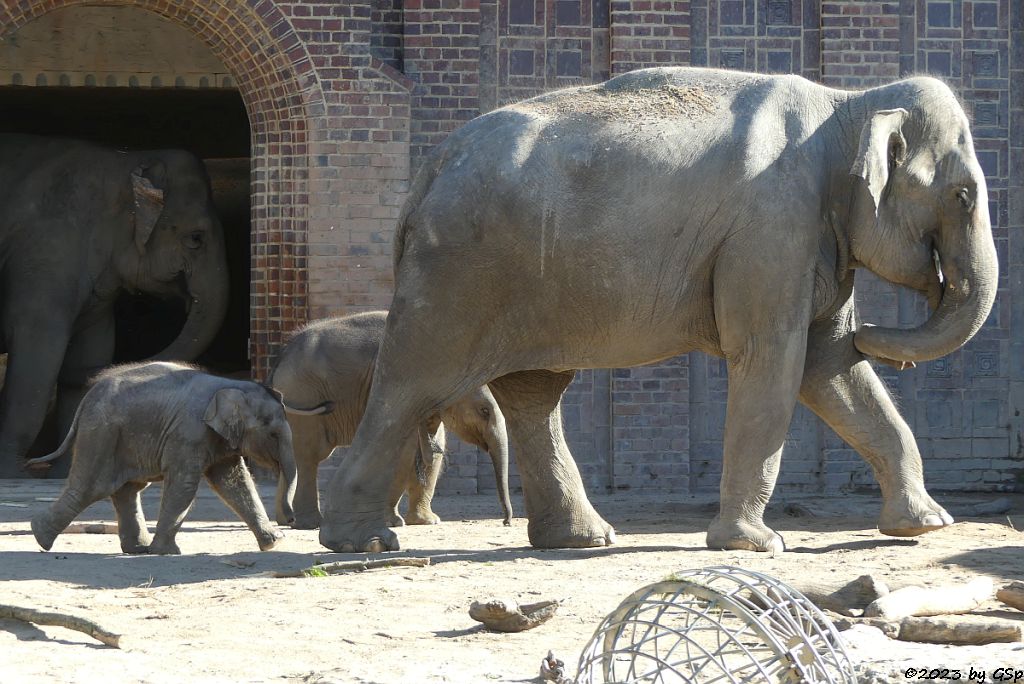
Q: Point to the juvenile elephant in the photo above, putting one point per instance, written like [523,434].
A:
[330,363]
[80,223]
[140,423]
[670,210]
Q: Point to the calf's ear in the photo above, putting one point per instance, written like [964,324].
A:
[225,415]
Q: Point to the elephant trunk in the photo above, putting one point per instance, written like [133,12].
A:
[971,271]
[497,449]
[286,482]
[208,292]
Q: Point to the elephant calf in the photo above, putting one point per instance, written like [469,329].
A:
[141,423]
[331,363]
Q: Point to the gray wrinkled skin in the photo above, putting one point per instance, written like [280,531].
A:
[79,223]
[332,360]
[168,422]
[670,210]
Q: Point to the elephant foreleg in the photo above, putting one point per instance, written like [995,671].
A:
[764,379]
[179,493]
[559,513]
[232,482]
[423,478]
[131,523]
[843,389]
[89,351]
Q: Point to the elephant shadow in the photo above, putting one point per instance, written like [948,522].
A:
[119,571]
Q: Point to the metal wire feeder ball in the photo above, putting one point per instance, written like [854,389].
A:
[717,624]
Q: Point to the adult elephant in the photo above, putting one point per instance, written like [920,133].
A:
[664,211]
[80,223]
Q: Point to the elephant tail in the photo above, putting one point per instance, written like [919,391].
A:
[43,462]
[318,410]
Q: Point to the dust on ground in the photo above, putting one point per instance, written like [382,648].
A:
[207,616]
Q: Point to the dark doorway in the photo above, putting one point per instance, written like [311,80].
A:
[210,123]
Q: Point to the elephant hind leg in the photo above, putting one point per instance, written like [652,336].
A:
[91,479]
[311,445]
[559,513]
[131,523]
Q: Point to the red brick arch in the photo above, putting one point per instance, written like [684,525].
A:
[282,96]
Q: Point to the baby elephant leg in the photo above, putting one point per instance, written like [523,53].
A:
[178,496]
[422,476]
[232,482]
[131,523]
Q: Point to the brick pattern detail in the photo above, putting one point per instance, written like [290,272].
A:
[529,46]
[358,160]
[771,36]
[649,33]
[860,43]
[442,55]
[386,32]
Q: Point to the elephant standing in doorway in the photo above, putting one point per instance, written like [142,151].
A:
[669,210]
[330,363]
[80,223]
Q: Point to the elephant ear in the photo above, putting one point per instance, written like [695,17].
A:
[882,149]
[225,415]
[149,202]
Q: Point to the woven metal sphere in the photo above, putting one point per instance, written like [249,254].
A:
[718,624]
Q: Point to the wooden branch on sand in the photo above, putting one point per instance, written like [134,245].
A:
[847,599]
[61,620]
[91,528]
[959,630]
[350,566]
[922,602]
[507,615]
[1012,595]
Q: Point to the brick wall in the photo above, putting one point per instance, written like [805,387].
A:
[344,97]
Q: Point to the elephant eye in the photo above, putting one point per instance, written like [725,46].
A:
[194,240]
[964,198]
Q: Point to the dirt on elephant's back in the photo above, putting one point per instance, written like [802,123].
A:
[659,102]
[213,615]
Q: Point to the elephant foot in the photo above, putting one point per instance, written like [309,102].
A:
[164,548]
[910,515]
[743,536]
[285,520]
[43,534]
[268,539]
[427,517]
[135,547]
[574,533]
[306,521]
[348,534]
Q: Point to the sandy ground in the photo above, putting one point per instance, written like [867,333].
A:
[200,617]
